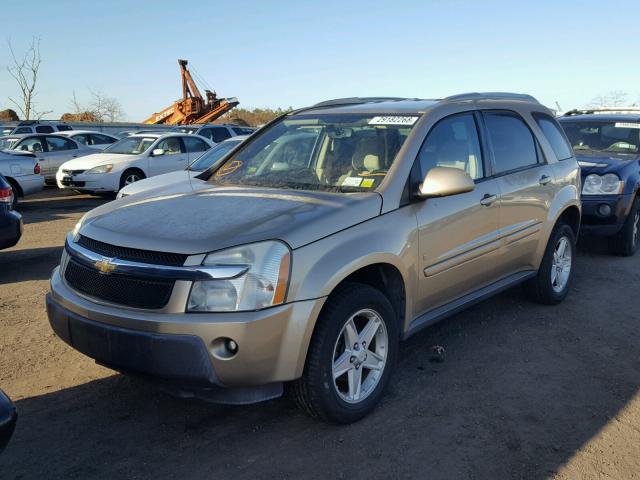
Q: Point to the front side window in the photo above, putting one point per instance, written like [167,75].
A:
[213,155]
[23,130]
[453,142]
[554,136]
[97,139]
[603,136]
[131,145]
[58,144]
[171,146]
[31,144]
[339,153]
[194,144]
[512,142]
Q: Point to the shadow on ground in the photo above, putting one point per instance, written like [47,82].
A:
[521,389]
[53,204]
[28,264]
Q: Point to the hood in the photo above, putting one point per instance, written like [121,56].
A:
[95,159]
[603,162]
[211,218]
[160,182]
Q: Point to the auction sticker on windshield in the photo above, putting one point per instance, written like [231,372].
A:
[627,125]
[352,182]
[393,120]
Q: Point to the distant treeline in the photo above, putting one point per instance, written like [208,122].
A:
[254,117]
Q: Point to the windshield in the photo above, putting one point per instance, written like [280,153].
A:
[213,155]
[603,136]
[340,153]
[7,143]
[131,145]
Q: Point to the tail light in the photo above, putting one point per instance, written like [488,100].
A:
[36,169]
[6,195]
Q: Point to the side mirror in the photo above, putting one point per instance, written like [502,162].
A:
[157,152]
[445,181]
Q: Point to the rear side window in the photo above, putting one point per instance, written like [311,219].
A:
[81,139]
[194,144]
[98,139]
[554,136]
[63,128]
[44,129]
[512,142]
[219,134]
[58,144]
[453,142]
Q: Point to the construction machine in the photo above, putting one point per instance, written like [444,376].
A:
[192,108]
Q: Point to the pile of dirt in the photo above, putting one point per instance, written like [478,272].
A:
[79,117]
[8,115]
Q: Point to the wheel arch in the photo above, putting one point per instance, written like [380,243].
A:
[15,186]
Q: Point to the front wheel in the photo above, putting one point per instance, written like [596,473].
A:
[129,177]
[625,243]
[350,357]
[553,280]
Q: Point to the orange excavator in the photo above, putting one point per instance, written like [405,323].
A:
[192,108]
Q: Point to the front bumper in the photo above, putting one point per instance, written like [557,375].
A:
[177,348]
[99,182]
[595,222]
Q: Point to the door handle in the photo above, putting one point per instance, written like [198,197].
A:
[544,179]
[488,199]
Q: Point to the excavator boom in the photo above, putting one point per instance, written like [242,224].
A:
[192,108]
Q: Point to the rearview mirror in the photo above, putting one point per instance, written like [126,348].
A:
[445,181]
[157,152]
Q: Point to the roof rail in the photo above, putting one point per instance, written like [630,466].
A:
[491,96]
[356,101]
[603,110]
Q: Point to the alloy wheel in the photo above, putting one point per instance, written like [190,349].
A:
[561,265]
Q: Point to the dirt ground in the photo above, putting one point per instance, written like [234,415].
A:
[525,391]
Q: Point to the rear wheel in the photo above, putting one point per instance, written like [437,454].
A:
[625,243]
[350,357]
[130,176]
[553,280]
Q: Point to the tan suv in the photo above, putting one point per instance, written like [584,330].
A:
[319,244]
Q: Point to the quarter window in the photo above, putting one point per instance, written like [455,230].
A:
[453,142]
[511,140]
[554,136]
[44,129]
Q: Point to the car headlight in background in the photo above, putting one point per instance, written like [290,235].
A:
[101,169]
[263,285]
[608,184]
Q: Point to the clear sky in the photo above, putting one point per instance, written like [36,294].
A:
[294,53]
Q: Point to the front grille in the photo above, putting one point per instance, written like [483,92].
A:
[120,289]
[132,254]
[73,172]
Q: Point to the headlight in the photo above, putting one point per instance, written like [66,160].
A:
[76,229]
[263,285]
[608,184]
[101,169]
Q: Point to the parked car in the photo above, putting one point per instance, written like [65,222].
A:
[216,132]
[131,159]
[51,151]
[40,126]
[10,220]
[22,171]
[208,160]
[95,140]
[383,217]
[128,133]
[607,146]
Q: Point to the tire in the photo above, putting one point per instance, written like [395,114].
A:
[625,243]
[549,287]
[332,400]
[128,175]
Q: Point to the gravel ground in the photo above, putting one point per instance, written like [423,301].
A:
[525,391]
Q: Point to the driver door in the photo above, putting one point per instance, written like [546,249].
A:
[458,235]
[174,157]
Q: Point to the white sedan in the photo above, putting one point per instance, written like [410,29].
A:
[131,159]
[206,161]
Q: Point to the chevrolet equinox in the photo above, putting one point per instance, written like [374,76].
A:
[315,247]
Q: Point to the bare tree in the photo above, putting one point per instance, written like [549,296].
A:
[615,98]
[106,109]
[24,70]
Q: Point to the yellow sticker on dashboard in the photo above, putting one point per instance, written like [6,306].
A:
[367,182]
[228,168]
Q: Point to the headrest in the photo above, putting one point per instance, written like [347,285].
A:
[368,154]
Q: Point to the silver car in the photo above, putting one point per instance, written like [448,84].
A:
[22,171]
[319,244]
[51,151]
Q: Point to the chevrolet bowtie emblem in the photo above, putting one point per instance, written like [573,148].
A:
[105,266]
